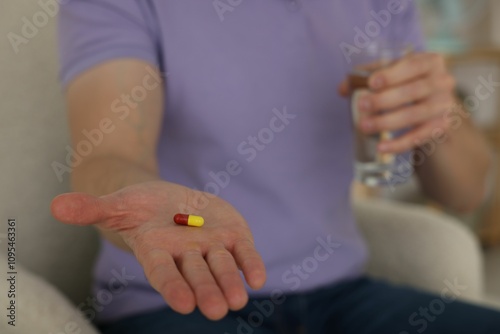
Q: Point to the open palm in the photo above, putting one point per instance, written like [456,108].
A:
[188,266]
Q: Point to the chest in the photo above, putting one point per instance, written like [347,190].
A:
[232,62]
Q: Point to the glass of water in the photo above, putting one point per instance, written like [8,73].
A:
[372,167]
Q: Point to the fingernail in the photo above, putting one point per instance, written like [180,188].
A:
[377,82]
[365,104]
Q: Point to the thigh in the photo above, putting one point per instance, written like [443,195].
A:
[167,321]
[375,307]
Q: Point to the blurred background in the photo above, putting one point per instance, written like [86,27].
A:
[468,33]
[34,135]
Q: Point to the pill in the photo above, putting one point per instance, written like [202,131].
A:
[189,220]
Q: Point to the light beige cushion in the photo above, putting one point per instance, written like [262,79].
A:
[415,246]
[41,308]
[407,246]
[33,134]
[493,277]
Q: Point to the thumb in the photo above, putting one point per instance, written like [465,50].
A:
[78,209]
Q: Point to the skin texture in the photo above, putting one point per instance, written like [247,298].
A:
[419,92]
[188,266]
[119,191]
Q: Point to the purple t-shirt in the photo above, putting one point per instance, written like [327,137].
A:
[251,114]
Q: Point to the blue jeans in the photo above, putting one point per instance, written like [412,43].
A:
[360,306]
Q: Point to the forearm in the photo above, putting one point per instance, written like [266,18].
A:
[455,173]
[102,176]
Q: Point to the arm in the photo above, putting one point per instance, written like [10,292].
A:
[455,175]
[121,194]
[126,156]
[419,91]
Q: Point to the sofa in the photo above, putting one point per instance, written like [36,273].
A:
[409,244]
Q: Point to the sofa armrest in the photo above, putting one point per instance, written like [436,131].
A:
[40,308]
[415,246]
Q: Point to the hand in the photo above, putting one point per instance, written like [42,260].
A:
[188,266]
[417,90]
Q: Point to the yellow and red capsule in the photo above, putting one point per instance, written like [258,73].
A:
[189,220]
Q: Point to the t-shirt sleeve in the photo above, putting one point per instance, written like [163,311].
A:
[413,33]
[404,26]
[95,31]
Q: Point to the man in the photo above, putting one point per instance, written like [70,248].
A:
[247,131]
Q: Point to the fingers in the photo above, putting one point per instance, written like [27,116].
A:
[226,273]
[407,93]
[407,69]
[214,283]
[250,262]
[164,277]
[78,209]
[415,92]
[407,116]
[401,95]
[209,297]
[413,138]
